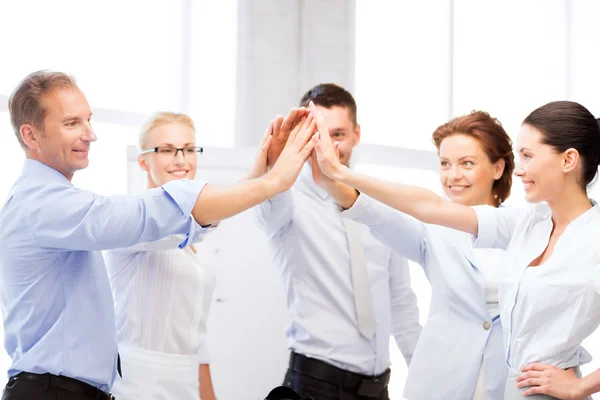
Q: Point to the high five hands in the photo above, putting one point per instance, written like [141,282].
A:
[288,142]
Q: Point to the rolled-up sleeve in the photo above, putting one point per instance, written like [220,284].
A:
[67,218]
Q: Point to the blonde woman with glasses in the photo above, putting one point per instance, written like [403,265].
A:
[162,292]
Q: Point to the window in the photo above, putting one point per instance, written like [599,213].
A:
[511,63]
[402,91]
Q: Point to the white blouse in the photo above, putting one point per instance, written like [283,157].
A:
[162,296]
[548,311]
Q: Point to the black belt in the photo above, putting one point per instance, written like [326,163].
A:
[50,381]
[362,385]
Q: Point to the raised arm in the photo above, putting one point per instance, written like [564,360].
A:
[420,203]
[220,202]
[276,213]
[66,218]
[400,232]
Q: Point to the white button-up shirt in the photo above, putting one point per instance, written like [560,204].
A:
[162,296]
[549,310]
[310,249]
[460,332]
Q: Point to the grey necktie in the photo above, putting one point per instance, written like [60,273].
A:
[360,280]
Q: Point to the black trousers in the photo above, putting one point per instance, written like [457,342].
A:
[307,385]
[21,389]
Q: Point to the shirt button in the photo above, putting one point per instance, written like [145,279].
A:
[487,325]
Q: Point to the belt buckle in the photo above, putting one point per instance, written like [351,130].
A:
[371,387]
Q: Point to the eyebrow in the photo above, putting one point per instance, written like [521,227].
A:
[522,149]
[75,117]
[462,158]
[172,145]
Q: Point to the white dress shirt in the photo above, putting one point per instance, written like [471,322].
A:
[548,311]
[162,297]
[310,249]
[460,332]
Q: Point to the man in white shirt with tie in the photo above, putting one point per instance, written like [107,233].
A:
[346,292]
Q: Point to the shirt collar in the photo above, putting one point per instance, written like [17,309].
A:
[42,172]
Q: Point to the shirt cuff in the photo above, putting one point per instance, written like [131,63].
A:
[283,196]
[487,226]
[203,357]
[185,193]
[359,208]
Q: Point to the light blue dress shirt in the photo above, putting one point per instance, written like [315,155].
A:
[56,299]
[460,336]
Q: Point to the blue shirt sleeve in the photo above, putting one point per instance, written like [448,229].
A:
[70,219]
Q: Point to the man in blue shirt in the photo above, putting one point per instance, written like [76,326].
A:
[57,305]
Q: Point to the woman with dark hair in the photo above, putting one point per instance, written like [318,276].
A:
[550,292]
[476,166]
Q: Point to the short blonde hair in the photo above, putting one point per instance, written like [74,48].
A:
[24,103]
[163,118]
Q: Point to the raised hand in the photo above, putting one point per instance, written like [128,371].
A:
[260,166]
[297,149]
[281,132]
[318,176]
[327,156]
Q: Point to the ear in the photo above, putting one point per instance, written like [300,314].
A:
[499,168]
[356,134]
[143,163]
[28,134]
[570,160]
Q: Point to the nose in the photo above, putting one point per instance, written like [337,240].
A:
[179,157]
[518,170]
[455,173]
[88,133]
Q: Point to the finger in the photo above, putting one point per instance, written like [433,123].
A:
[530,382]
[529,374]
[268,134]
[296,129]
[289,120]
[313,158]
[336,147]
[308,131]
[277,124]
[266,145]
[321,125]
[534,367]
[308,148]
[535,390]
[302,112]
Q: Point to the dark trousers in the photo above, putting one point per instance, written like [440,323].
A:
[21,389]
[308,385]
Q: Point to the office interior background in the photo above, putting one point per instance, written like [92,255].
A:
[232,65]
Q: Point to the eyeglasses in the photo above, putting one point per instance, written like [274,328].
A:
[172,151]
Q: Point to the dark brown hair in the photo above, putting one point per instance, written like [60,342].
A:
[565,125]
[329,95]
[493,138]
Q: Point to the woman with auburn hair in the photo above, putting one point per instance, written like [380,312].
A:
[162,292]
[550,290]
[463,333]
